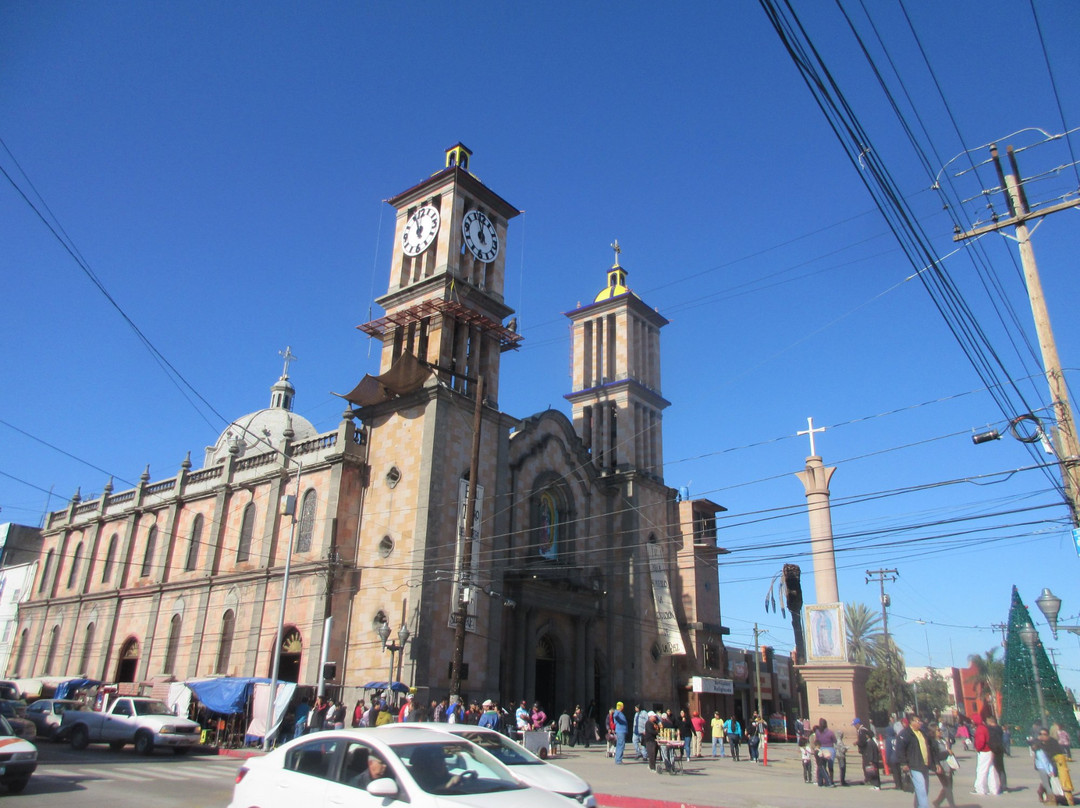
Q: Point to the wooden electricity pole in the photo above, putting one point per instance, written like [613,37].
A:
[1066,445]
[465,571]
[882,576]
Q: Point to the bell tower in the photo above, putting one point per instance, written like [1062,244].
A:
[445,301]
[616,401]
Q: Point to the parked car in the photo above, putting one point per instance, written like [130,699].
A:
[14,711]
[374,766]
[18,758]
[146,723]
[526,766]
[46,714]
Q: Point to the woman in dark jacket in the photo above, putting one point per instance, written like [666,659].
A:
[686,732]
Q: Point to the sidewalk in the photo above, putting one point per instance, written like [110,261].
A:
[722,783]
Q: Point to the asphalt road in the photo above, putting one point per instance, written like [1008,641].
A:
[98,777]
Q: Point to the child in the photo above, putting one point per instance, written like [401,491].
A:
[807,761]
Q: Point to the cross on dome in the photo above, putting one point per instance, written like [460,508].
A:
[289,357]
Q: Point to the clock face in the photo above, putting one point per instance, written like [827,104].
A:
[480,236]
[420,230]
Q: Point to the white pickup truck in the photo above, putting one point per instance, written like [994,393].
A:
[146,723]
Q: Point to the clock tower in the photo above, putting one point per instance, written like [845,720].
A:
[445,301]
[442,332]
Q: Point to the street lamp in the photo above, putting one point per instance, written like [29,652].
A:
[1030,638]
[1050,605]
[393,647]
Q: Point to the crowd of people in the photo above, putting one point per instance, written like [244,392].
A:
[917,753]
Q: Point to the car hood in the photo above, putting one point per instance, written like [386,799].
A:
[9,745]
[550,777]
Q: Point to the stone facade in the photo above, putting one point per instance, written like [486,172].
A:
[562,594]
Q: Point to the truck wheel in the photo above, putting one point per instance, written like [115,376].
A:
[144,743]
[16,786]
[80,737]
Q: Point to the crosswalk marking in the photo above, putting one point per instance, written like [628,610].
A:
[202,770]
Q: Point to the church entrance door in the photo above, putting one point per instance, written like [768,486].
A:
[547,692]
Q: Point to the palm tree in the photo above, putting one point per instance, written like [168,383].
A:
[863,634]
[990,671]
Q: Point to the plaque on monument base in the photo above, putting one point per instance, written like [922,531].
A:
[837,693]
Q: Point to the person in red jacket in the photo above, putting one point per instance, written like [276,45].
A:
[985,782]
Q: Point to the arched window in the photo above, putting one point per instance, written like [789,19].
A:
[173,644]
[45,571]
[73,573]
[193,547]
[228,626]
[148,556]
[307,521]
[247,528]
[110,557]
[88,645]
[50,657]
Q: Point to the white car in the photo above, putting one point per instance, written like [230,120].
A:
[18,758]
[384,767]
[526,766]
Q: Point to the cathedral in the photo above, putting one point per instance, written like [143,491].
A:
[431,538]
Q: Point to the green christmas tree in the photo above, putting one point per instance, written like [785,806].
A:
[1020,700]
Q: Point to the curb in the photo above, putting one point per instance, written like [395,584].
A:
[618,801]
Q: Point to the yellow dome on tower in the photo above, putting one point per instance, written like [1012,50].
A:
[616,279]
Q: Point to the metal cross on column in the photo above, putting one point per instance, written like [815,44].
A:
[810,431]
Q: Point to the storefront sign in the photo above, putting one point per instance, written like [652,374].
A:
[708,684]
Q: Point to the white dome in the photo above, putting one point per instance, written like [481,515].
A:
[258,432]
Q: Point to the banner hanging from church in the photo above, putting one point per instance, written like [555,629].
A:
[671,641]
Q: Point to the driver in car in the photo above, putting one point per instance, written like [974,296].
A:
[428,768]
[376,770]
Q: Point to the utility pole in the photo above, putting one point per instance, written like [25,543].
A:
[465,568]
[881,576]
[1066,446]
[1002,627]
[757,667]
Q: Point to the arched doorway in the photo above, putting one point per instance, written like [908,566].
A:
[292,645]
[546,692]
[129,660]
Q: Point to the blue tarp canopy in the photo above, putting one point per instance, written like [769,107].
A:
[228,695]
[66,690]
[397,687]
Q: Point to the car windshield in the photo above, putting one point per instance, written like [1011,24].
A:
[151,708]
[455,768]
[508,752]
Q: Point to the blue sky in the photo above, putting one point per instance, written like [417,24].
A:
[221,168]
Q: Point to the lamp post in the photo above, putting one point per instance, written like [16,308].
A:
[290,504]
[1030,638]
[393,647]
[1050,605]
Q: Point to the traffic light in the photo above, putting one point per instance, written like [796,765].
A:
[329,671]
